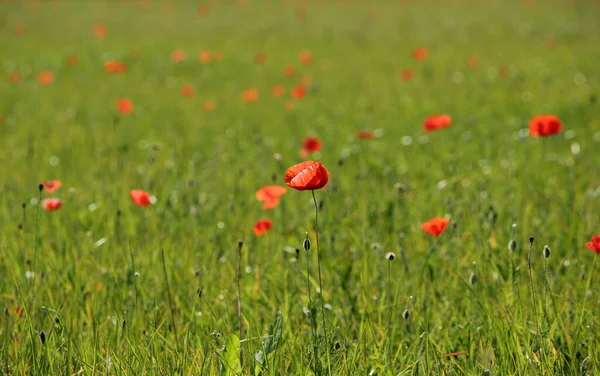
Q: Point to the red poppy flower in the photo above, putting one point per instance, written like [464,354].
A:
[14,77]
[594,245]
[1,119]
[203,10]
[420,53]
[503,71]
[51,185]
[260,58]
[435,226]
[218,56]
[278,90]
[187,90]
[307,175]
[305,57]
[72,60]
[115,66]
[406,74]
[298,91]
[125,106]
[262,226]
[365,135]
[205,57]
[99,31]
[436,122]
[544,125]
[270,195]
[178,56]
[289,106]
[250,95]
[51,204]
[208,106]
[311,144]
[289,71]
[473,62]
[46,78]
[140,198]
[19,29]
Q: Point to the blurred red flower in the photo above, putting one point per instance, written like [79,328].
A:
[140,198]
[305,57]
[473,62]
[187,90]
[250,95]
[270,195]
[19,28]
[544,125]
[435,226]
[406,74]
[115,66]
[51,185]
[45,78]
[278,90]
[310,145]
[298,91]
[14,77]
[436,122]
[262,226]
[99,31]
[309,175]
[51,204]
[178,56]
[205,57]
[203,10]
[208,106]
[420,53]
[72,60]
[289,71]
[260,58]
[365,135]
[594,245]
[125,105]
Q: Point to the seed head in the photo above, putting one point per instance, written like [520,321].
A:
[306,243]
[512,245]
[405,314]
[390,256]
[472,279]
[531,240]
[546,251]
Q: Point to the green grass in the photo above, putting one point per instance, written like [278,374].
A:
[105,307]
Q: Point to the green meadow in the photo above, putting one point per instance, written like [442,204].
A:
[185,286]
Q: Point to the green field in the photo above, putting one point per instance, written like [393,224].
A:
[102,286]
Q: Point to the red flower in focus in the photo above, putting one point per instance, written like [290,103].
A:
[594,245]
[365,135]
[51,204]
[436,122]
[46,78]
[115,66]
[250,95]
[262,226]
[544,125]
[141,198]
[305,57]
[260,58]
[420,53]
[435,226]
[125,106]
[270,195]
[298,91]
[99,31]
[406,74]
[51,185]
[307,175]
[187,90]
[178,56]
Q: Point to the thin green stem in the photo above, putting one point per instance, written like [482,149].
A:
[162,253]
[312,319]
[37,235]
[389,329]
[533,299]
[321,282]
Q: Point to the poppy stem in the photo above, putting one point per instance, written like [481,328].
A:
[313,320]
[320,281]
[533,299]
[391,312]
[37,235]
[162,253]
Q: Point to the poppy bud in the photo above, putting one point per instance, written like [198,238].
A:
[306,243]
[20,226]
[297,253]
[123,324]
[390,256]
[41,187]
[531,240]
[43,337]
[472,279]
[512,245]
[240,245]
[546,251]
[405,314]
[23,205]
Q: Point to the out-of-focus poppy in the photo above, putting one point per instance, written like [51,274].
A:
[72,60]
[262,226]
[218,56]
[19,28]
[115,66]
[208,106]
[365,135]
[51,185]
[187,90]
[260,58]
[406,74]
[140,198]
[289,71]
[309,175]
[544,125]
[373,12]
[51,204]
[205,57]
[270,195]
[301,13]
[305,57]
[310,145]
[473,62]
[436,122]
[594,245]
[203,10]
[14,77]
[125,105]
[435,226]
[250,95]
[278,90]
[289,106]
[503,71]
[420,53]
[298,91]
[99,31]
[178,56]
[45,78]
